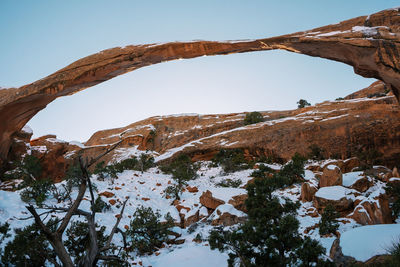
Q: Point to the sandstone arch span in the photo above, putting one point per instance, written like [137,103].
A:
[371,44]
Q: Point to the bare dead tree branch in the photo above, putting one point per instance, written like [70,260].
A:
[113,231]
[55,238]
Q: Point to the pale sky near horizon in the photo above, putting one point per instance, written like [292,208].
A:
[40,37]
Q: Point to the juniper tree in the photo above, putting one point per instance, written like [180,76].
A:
[253,117]
[146,232]
[270,236]
[182,170]
[328,223]
[302,103]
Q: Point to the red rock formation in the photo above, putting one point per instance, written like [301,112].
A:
[308,191]
[332,175]
[210,202]
[373,211]
[369,44]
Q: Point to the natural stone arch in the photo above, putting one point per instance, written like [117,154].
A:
[371,44]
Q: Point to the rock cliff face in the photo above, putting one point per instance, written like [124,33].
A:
[342,129]
[369,43]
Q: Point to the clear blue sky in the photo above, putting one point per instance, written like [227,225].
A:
[39,37]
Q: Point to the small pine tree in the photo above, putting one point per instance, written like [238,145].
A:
[262,172]
[182,170]
[302,103]
[37,192]
[270,237]
[253,117]
[146,232]
[231,160]
[328,223]
[29,170]
[29,247]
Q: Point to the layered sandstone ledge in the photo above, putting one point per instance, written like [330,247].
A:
[368,43]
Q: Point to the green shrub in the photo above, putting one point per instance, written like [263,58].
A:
[78,239]
[146,232]
[253,117]
[393,190]
[232,160]
[302,103]
[235,183]
[262,172]
[37,192]
[328,223]
[270,236]
[29,248]
[182,170]
[292,172]
[339,98]
[73,175]
[315,152]
[142,164]
[369,157]
[29,170]
[100,205]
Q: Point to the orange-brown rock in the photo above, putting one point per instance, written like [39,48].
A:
[106,194]
[375,211]
[112,201]
[227,219]
[193,189]
[368,43]
[377,88]
[191,219]
[210,202]
[350,164]
[331,176]
[238,202]
[307,191]
[337,196]
[362,185]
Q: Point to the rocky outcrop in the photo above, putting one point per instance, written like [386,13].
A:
[331,176]
[373,211]
[339,197]
[308,191]
[210,202]
[340,128]
[369,43]
[377,88]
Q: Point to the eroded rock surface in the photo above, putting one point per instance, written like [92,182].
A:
[368,43]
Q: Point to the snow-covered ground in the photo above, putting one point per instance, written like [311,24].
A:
[147,189]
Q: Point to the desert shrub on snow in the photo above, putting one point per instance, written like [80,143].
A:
[270,236]
[253,117]
[100,205]
[37,192]
[146,232]
[231,160]
[29,248]
[142,164]
[29,170]
[182,170]
[328,223]
[262,172]
[230,183]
